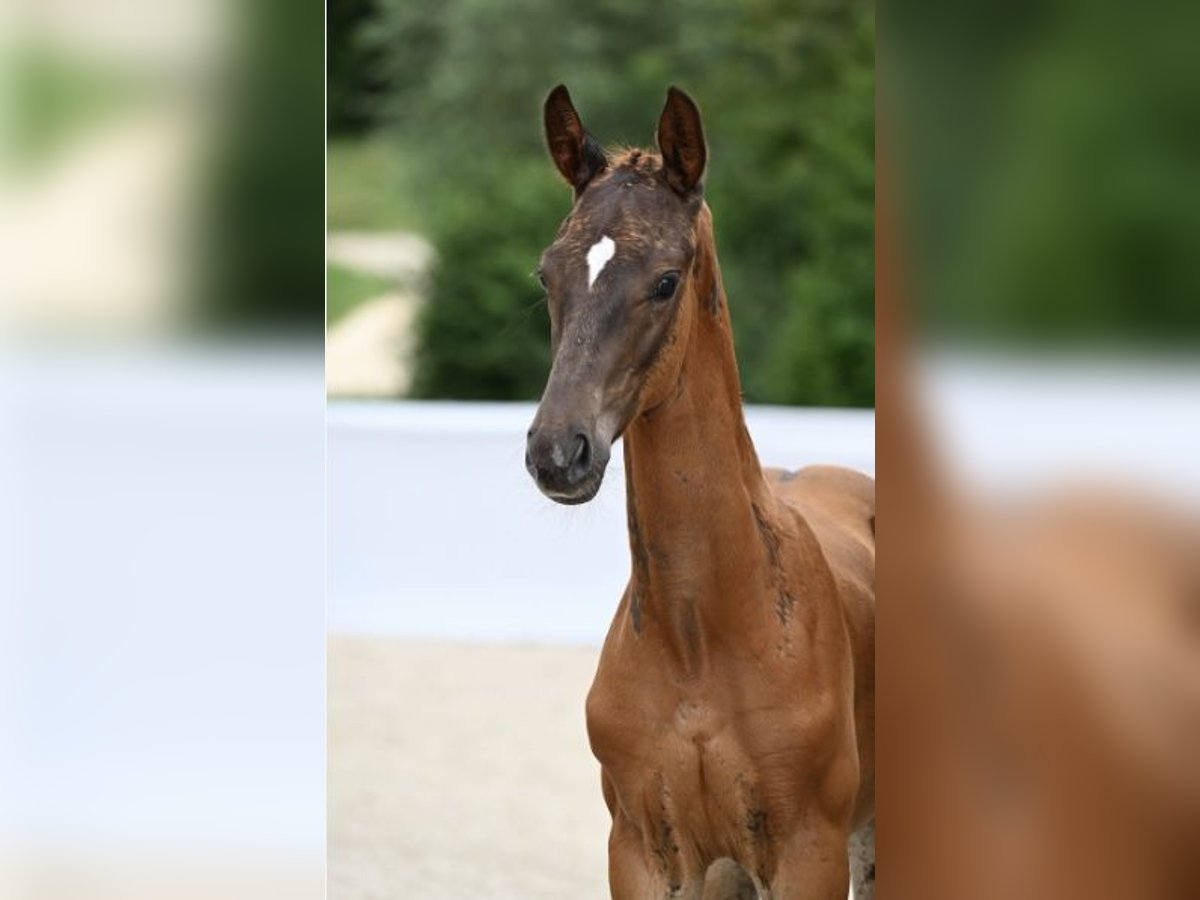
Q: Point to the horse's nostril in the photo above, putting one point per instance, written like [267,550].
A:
[582,457]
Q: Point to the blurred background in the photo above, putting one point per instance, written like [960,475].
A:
[1039,397]
[1049,187]
[1045,178]
[161,449]
[466,611]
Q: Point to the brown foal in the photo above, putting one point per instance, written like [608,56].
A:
[733,708]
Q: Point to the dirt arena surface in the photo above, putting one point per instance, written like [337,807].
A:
[462,771]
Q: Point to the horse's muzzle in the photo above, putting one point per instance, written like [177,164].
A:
[566,462]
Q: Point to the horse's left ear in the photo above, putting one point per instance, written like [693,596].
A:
[681,140]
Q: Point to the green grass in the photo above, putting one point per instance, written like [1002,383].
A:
[348,290]
[371,186]
[370,189]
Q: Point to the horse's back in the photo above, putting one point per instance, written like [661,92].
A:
[838,503]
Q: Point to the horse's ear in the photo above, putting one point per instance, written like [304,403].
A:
[576,154]
[681,140]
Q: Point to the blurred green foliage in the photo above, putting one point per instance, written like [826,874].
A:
[354,66]
[787,91]
[1049,157]
[260,238]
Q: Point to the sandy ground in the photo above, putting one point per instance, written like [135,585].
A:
[462,771]
[92,875]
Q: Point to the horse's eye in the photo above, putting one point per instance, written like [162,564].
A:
[664,289]
[541,277]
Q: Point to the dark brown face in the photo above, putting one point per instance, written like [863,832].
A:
[616,279]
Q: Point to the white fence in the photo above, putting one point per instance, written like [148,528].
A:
[436,530]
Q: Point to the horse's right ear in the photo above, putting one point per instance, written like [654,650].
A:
[576,154]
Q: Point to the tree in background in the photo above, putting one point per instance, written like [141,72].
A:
[1052,197]
[259,266]
[787,90]
[355,70]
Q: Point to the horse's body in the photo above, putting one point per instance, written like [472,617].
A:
[732,710]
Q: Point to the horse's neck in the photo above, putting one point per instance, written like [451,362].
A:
[692,477]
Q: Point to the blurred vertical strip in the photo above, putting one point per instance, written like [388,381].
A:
[162,450]
[263,232]
[1039,450]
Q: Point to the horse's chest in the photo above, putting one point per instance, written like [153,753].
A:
[688,775]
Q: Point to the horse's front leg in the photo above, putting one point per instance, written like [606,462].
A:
[636,872]
[812,865]
[726,880]
[862,862]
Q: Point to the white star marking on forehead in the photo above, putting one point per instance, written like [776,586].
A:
[597,258]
